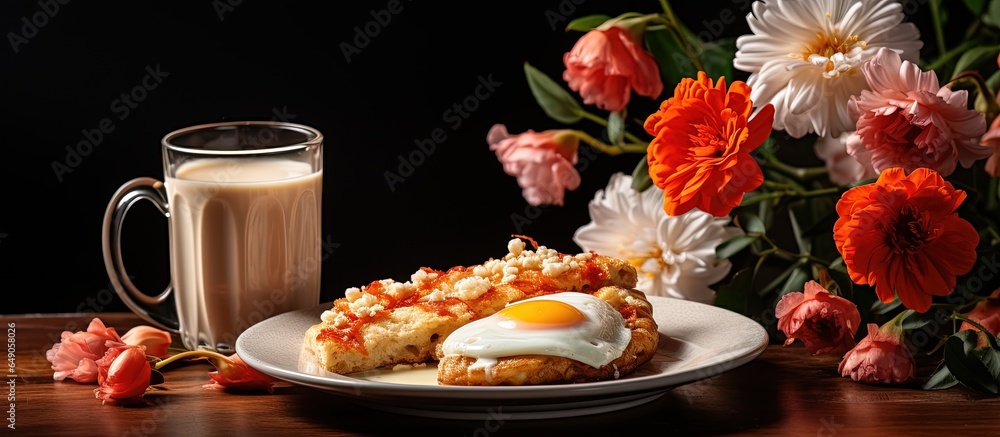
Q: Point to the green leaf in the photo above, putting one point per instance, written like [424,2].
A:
[972,59]
[797,280]
[805,246]
[751,223]
[992,16]
[616,128]
[991,358]
[670,57]
[879,307]
[640,176]
[778,280]
[845,286]
[734,245]
[968,369]
[975,6]
[738,295]
[717,58]
[557,103]
[941,379]
[915,320]
[587,23]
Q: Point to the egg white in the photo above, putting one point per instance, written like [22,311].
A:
[597,341]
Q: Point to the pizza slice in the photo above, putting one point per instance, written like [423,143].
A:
[388,322]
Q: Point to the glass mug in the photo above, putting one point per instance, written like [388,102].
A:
[243,202]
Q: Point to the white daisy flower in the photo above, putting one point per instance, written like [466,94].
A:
[804,56]
[674,255]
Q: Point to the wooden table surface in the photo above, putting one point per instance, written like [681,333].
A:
[785,391]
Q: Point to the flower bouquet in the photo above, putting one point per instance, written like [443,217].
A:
[827,174]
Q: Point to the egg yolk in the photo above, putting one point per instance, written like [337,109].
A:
[541,314]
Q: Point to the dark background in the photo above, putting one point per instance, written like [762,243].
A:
[265,60]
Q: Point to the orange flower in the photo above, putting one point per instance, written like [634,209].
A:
[607,64]
[901,235]
[700,155]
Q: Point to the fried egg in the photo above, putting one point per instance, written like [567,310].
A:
[572,325]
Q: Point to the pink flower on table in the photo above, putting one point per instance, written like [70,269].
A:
[880,358]
[908,120]
[543,162]
[123,375]
[823,322]
[156,341]
[234,373]
[75,355]
[606,64]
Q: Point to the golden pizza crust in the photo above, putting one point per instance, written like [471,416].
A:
[389,322]
[540,369]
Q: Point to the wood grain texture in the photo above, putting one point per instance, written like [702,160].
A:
[785,391]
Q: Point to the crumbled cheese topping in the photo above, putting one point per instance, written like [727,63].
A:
[471,287]
[505,270]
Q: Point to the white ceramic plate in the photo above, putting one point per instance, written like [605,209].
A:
[697,341]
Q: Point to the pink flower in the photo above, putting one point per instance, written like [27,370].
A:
[542,162]
[75,355]
[825,323]
[841,166]
[123,376]
[880,358]
[606,64]
[156,341]
[234,373]
[991,139]
[908,120]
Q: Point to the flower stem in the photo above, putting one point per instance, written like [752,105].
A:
[799,173]
[944,58]
[789,255]
[609,149]
[674,26]
[603,122]
[188,354]
[938,30]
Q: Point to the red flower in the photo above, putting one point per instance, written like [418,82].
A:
[824,322]
[542,162]
[901,235]
[233,373]
[700,155]
[123,375]
[880,358]
[75,355]
[605,65]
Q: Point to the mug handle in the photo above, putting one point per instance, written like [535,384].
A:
[139,302]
